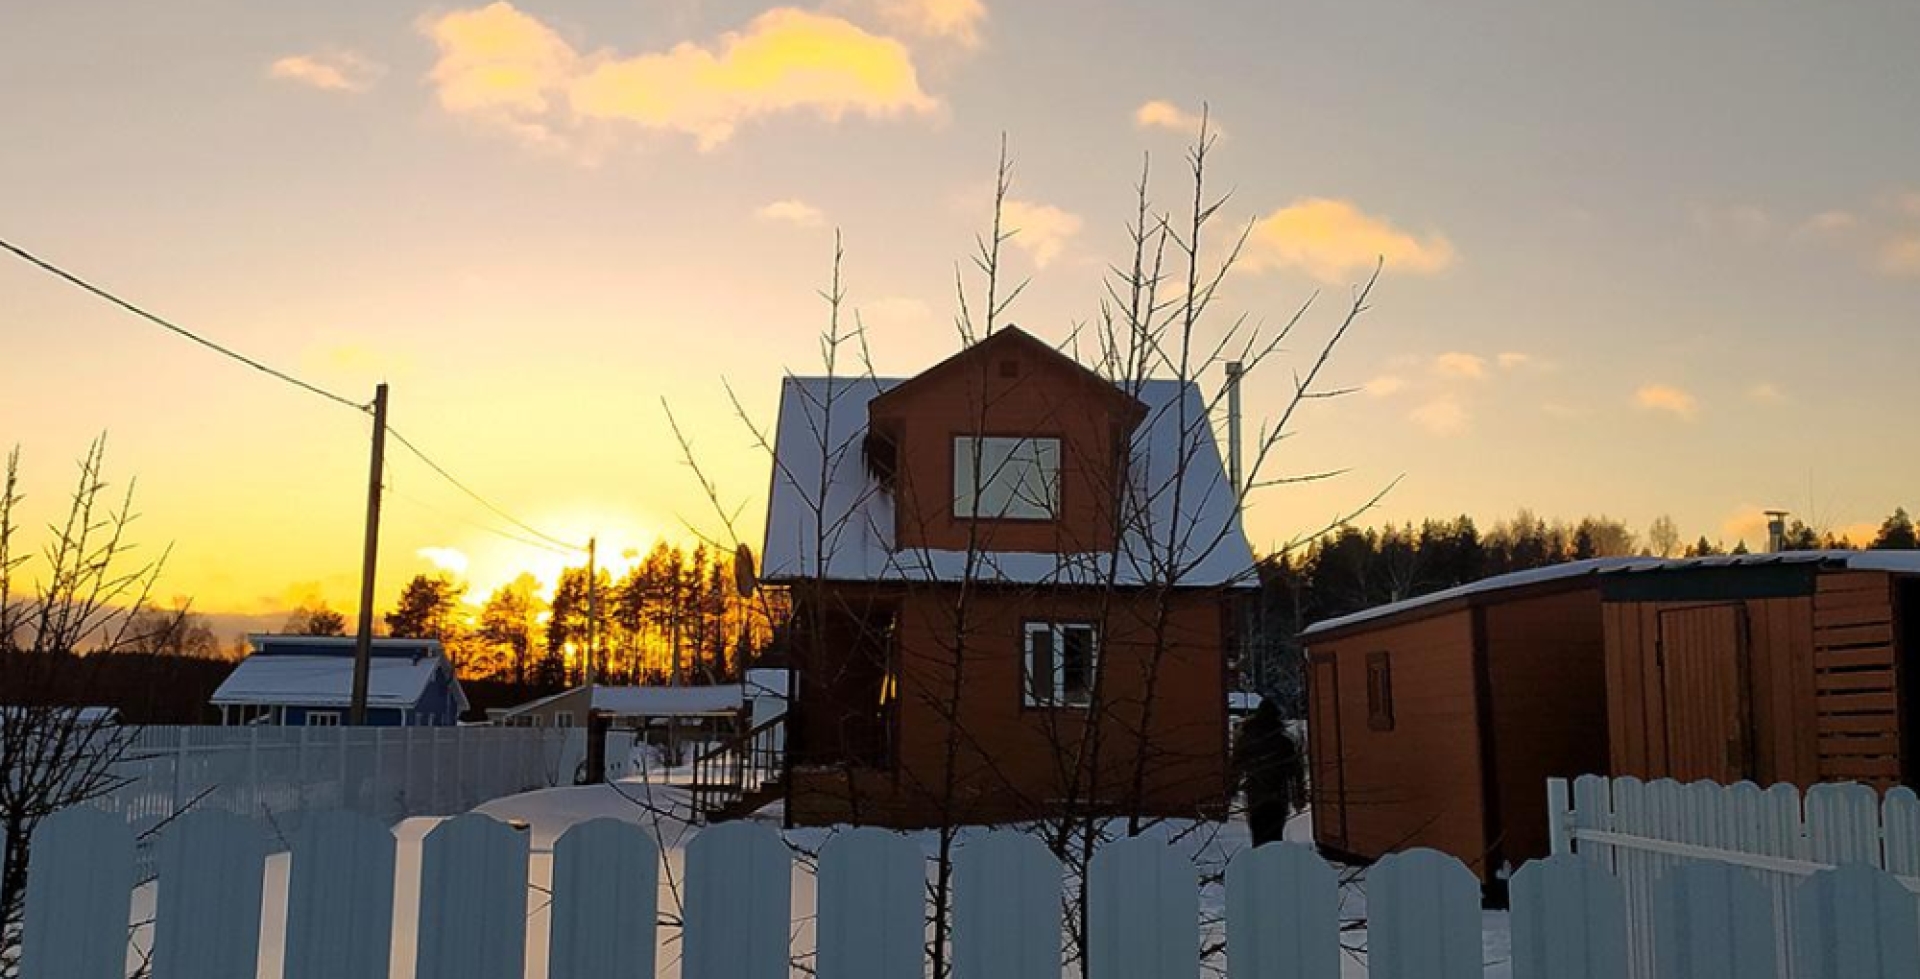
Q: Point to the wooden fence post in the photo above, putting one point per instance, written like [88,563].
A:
[1282,914]
[1569,921]
[872,889]
[1143,917]
[1423,918]
[606,892]
[1006,912]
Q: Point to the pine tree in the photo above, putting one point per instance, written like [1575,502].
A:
[1896,533]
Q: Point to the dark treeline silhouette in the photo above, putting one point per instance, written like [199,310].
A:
[1355,568]
[673,616]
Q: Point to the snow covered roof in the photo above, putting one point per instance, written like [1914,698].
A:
[327,681]
[822,488]
[1907,562]
[652,701]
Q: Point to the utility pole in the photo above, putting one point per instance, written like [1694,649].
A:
[363,641]
[593,611]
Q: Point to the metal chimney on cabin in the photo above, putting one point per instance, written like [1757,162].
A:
[1234,372]
[1776,531]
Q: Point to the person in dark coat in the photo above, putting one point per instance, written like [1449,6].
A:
[1267,764]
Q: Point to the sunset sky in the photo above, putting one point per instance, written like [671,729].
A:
[1642,257]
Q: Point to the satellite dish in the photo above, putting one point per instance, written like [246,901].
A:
[744,579]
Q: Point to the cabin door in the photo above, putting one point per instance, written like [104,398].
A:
[1329,786]
[1703,657]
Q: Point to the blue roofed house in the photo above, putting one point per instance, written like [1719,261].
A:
[307,681]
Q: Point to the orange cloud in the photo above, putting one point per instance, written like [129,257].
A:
[1161,114]
[329,71]
[1041,230]
[1457,364]
[1333,241]
[1663,397]
[1444,417]
[953,20]
[1386,385]
[511,69]
[1900,256]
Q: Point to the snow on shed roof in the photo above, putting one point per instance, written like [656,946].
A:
[1907,562]
[650,701]
[327,681]
[818,444]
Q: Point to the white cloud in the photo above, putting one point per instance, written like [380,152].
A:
[1041,230]
[1456,364]
[508,68]
[1161,114]
[1828,223]
[951,20]
[1766,392]
[1666,398]
[1444,418]
[1385,385]
[447,559]
[1513,359]
[793,211]
[1333,241]
[330,70]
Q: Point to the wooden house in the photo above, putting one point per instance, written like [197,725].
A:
[1010,579]
[1436,721]
[307,681]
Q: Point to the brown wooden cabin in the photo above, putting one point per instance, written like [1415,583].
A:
[1793,667]
[1435,722]
[995,513]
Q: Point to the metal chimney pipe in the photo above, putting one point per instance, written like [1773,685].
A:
[1234,372]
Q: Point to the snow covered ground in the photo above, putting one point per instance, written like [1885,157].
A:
[551,812]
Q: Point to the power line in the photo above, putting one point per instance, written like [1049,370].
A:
[160,321]
[477,498]
[54,270]
[469,521]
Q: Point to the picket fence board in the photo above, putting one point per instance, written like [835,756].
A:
[1424,918]
[473,901]
[1006,909]
[606,893]
[1283,919]
[1854,922]
[872,889]
[1713,921]
[739,904]
[1900,822]
[79,895]
[1843,824]
[340,899]
[1593,809]
[1143,912]
[207,915]
[1569,921]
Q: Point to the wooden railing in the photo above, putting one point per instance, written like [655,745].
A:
[742,766]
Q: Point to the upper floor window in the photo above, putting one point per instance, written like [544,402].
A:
[1006,478]
[1060,662]
[1380,691]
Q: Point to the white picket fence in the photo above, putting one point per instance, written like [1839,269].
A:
[1758,846]
[276,775]
[1569,918]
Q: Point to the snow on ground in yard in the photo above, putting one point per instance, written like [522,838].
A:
[551,812]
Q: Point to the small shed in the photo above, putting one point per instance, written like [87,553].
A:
[1436,721]
[1793,667]
[307,681]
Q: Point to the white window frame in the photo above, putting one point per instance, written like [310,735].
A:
[563,718]
[1060,696]
[1007,491]
[323,718]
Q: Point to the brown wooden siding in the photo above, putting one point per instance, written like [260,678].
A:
[1779,690]
[1418,784]
[1857,679]
[1546,672]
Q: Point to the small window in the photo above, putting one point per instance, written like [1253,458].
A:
[323,718]
[1006,478]
[563,718]
[1061,663]
[1380,691]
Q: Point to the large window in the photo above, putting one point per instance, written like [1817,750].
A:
[323,718]
[1061,661]
[1006,478]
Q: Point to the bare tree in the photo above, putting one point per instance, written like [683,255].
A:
[88,596]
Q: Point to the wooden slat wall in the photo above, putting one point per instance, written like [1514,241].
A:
[1858,729]
[1782,689]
